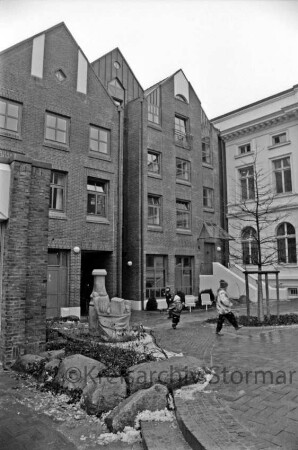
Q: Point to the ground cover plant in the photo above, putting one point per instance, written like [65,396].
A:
[272,320]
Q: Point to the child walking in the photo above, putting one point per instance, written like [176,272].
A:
[176,308]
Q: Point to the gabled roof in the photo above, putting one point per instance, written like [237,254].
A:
[124,59]
[59,25]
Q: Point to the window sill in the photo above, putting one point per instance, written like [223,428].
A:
[155,228]
[207,165]
[155,126]
[154,175]
[282,144]
[65,148]
[182,231]
[98,155]
[57,215]
[207,209]
[10,135]
[184,182]
[243,155]
[185,146]
[97,219]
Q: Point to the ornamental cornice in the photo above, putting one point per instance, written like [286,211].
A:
[284,114]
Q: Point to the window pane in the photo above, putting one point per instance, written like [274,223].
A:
[93,145]
[12,124]
[50,134]
[61,124]
[281,250]
[101,209]
[2,121]
[288,181]
[12,110]
[103,147]
[292,250]
[2,107]
[61,136]
[57,199]
[91,204]
[51,121]
[278,181]
[93,133]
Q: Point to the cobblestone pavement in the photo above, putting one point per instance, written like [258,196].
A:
[256,369]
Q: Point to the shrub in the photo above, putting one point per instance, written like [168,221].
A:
[252,321]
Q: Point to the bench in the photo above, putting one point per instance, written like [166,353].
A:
[190,302]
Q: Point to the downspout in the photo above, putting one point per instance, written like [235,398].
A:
[120,202]
[142,207]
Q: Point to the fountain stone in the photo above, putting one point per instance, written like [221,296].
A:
[107,318]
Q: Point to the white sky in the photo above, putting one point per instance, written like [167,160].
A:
[233,52]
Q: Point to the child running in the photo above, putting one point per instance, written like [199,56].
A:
[176,308]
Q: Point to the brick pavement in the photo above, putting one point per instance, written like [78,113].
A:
[256,371]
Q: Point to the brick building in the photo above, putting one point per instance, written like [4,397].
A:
[172,199]
[59,140]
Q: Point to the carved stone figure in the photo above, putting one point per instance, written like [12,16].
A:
[106,317]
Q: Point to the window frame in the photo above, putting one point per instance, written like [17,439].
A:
[277,135]
[154,207]
[154,107]
[151,273]
[188,171]
[7,131]
[54,187]
[104,184]
[282,170]
[244,147]
[249,246]
[182,136]
[56,130]
[283,244]
[208,195]
[158,163]
[183,212]
[100,129]
[206,151]
[247,179]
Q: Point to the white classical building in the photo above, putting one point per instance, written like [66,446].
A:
[261,141]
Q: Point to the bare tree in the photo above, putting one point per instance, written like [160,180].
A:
[253,219]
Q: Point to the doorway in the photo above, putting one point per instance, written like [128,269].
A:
[209,258]
[57,285]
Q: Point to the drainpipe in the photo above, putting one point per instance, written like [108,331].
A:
[142,207]
[120,202]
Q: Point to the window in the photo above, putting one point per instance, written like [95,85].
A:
[57,191]
[249,246]
[99,140]
[206,151]
[97,197]
[247,183]
[183,214]
[154,210]
[208,197]
[60,75]
[154,106]
[56,129]
[282,172]
[184,274]
[243,149]
[156,269]
[279,138]
[181,98]
[182,137]
[182,169]
[286,243]
[9,116]
[153,162]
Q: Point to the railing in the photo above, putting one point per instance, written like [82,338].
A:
[183,139]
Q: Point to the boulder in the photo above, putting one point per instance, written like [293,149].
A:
[77,370]
[152,399]
[173,372]
[103,394]
[50,369]
[27,363]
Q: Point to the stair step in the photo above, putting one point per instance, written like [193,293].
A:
[163,436]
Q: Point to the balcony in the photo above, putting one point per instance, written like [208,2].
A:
[182,139]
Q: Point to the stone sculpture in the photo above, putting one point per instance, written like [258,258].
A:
[107,318]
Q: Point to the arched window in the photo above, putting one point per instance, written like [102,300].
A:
[286,243]
[249,246]
[181,97]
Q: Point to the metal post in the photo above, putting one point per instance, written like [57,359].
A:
[267,295]
[277,295]
[247,295]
